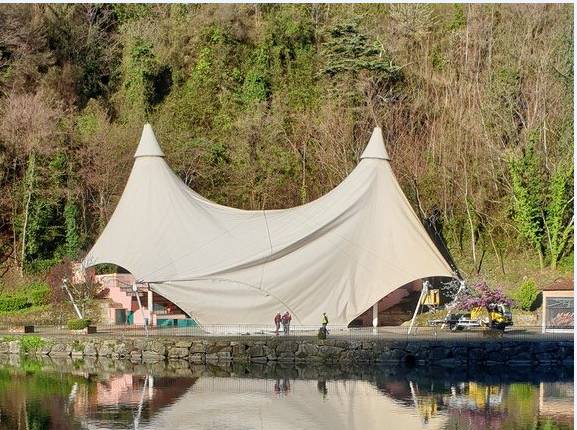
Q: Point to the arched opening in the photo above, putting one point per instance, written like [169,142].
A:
[398,306]
[119,305]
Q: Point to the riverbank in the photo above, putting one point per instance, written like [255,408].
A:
[445,353]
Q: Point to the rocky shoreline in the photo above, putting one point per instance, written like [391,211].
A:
[301,350]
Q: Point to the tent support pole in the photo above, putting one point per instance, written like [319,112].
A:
[375,316]
[424,292]
[135,290]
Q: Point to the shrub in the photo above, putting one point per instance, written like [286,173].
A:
[525,295]
[78,324]
[31,343]
[38,293]
[13,302]
[480,295]
[35,294]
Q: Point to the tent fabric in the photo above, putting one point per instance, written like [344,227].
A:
[338,254]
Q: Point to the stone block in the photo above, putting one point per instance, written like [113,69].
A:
[121,350]
[287,346]
[224,356]
[90,349]
[329,351]
[305,349]
[61,350]
[198,347]
[183,344]
[286,356]
[212,358]
[256,351]
[106,349]
[14,347]
[177,352]
[197,358]
[151,357]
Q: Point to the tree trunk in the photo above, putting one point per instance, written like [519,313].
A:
[29,188]
[541,262]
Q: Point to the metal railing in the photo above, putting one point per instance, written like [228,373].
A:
[240,331]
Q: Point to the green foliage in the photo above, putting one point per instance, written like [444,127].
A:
[525,295]
[72,231]
[527,187]
[81,37]
[76,345]
[31,343]
[350,50]
[126,12]
[78,324]
[543,210]
[256,85]
[458,19]
[437,59]
[262,106]
[30,366]
[559,218]
[36,294]
[10,303]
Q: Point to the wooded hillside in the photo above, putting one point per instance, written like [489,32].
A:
[269,106]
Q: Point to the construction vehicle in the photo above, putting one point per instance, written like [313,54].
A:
[495,316]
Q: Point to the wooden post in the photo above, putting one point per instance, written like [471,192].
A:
[424,291]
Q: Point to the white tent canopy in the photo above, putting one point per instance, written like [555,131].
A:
[339,254]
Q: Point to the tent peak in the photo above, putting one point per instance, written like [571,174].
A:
[376,146]
[148,145]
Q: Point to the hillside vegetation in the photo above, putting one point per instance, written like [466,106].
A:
[269,106]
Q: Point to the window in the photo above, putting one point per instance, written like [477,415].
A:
[559,313]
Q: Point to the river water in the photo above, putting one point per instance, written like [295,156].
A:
[107,394]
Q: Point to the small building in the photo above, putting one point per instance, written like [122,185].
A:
[120,304]
[558,307]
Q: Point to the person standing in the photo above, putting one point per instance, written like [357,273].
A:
[323,332]
[286,320]
[277,319]
[324,320]
[289,319]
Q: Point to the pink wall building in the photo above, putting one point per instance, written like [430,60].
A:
[121,304]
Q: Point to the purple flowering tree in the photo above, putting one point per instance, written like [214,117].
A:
[480,295]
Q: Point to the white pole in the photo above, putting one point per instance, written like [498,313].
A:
[376,315]
[65,287]
[424,291]
[135,290]
[150,306]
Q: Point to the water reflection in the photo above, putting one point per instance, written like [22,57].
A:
[105,394]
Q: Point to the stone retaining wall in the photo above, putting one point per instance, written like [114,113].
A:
[294,350]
